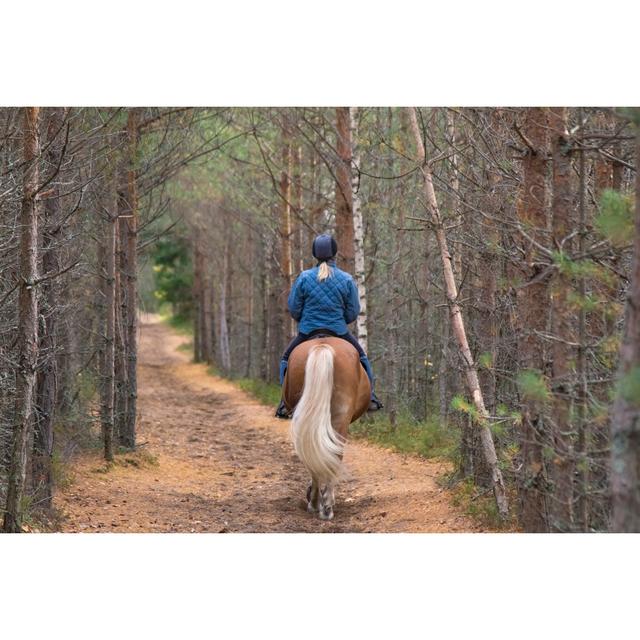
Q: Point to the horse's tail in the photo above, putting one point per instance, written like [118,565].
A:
[314,439]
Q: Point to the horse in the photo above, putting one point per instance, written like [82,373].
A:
[327,388]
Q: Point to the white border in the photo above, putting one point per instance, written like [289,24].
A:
[320,586]
[286,52]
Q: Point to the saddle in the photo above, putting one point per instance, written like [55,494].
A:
[321,333]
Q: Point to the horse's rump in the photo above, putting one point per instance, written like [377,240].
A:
[351,388]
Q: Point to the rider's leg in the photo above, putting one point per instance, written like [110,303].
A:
[281,411]
[375,403]
[301,337]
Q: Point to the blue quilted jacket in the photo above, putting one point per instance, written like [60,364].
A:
[330,304]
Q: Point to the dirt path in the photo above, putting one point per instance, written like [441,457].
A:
[213,459]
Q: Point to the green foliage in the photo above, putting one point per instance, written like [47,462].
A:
[480,505]
[185,347]
[608,350]
[587,269]
[485,360]
[615,220]
[173,275]
[430,439]
[498,428]
[533,386]
[458,403]
[633,113]
[182,324]
[63,477]
[266,392]
[588,302]
[629,386]
[503,411]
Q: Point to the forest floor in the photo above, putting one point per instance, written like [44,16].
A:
[213,459]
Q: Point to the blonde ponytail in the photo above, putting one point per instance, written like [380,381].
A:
[324,271]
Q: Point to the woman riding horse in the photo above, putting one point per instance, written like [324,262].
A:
[324,300]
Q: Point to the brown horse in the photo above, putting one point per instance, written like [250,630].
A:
[329,389]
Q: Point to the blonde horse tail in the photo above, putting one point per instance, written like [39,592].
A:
[314,439]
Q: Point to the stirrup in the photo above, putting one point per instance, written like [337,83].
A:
[374,404]
[282,411]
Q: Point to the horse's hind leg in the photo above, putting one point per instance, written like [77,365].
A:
[327,500]
[313,496]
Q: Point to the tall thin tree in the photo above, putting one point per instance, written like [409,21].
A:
[27,338]
[457,322]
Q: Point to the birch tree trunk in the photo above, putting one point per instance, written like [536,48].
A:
[457,323]
[625,419]
[27,338]
[358,232]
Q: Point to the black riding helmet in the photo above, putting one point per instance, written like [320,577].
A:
[324,247]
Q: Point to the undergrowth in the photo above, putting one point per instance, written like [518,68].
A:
[181,324]
[266,392]
[139,459]
[429,438]
[479,503]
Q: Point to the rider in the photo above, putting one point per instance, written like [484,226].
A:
[324,299]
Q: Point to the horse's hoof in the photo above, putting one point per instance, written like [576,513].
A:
[310,507]
[326,513]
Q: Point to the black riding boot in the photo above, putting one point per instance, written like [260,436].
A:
[374,403]
[282,411]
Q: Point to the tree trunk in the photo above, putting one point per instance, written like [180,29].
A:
[250,311]
[344,197]
[120,365]
[533,306]
[286,257]
[298,207]
[443,370]
[582,476]
[27,339]
[225,354]
[128,435]
[562,354]
[358,233]
[109,288]
[207,315]
[625,419]
[197,301]
[457,323]
[47,376]
[455,198]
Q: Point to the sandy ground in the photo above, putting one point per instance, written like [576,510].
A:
[213,459]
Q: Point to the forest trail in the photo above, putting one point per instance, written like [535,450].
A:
[213,459]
